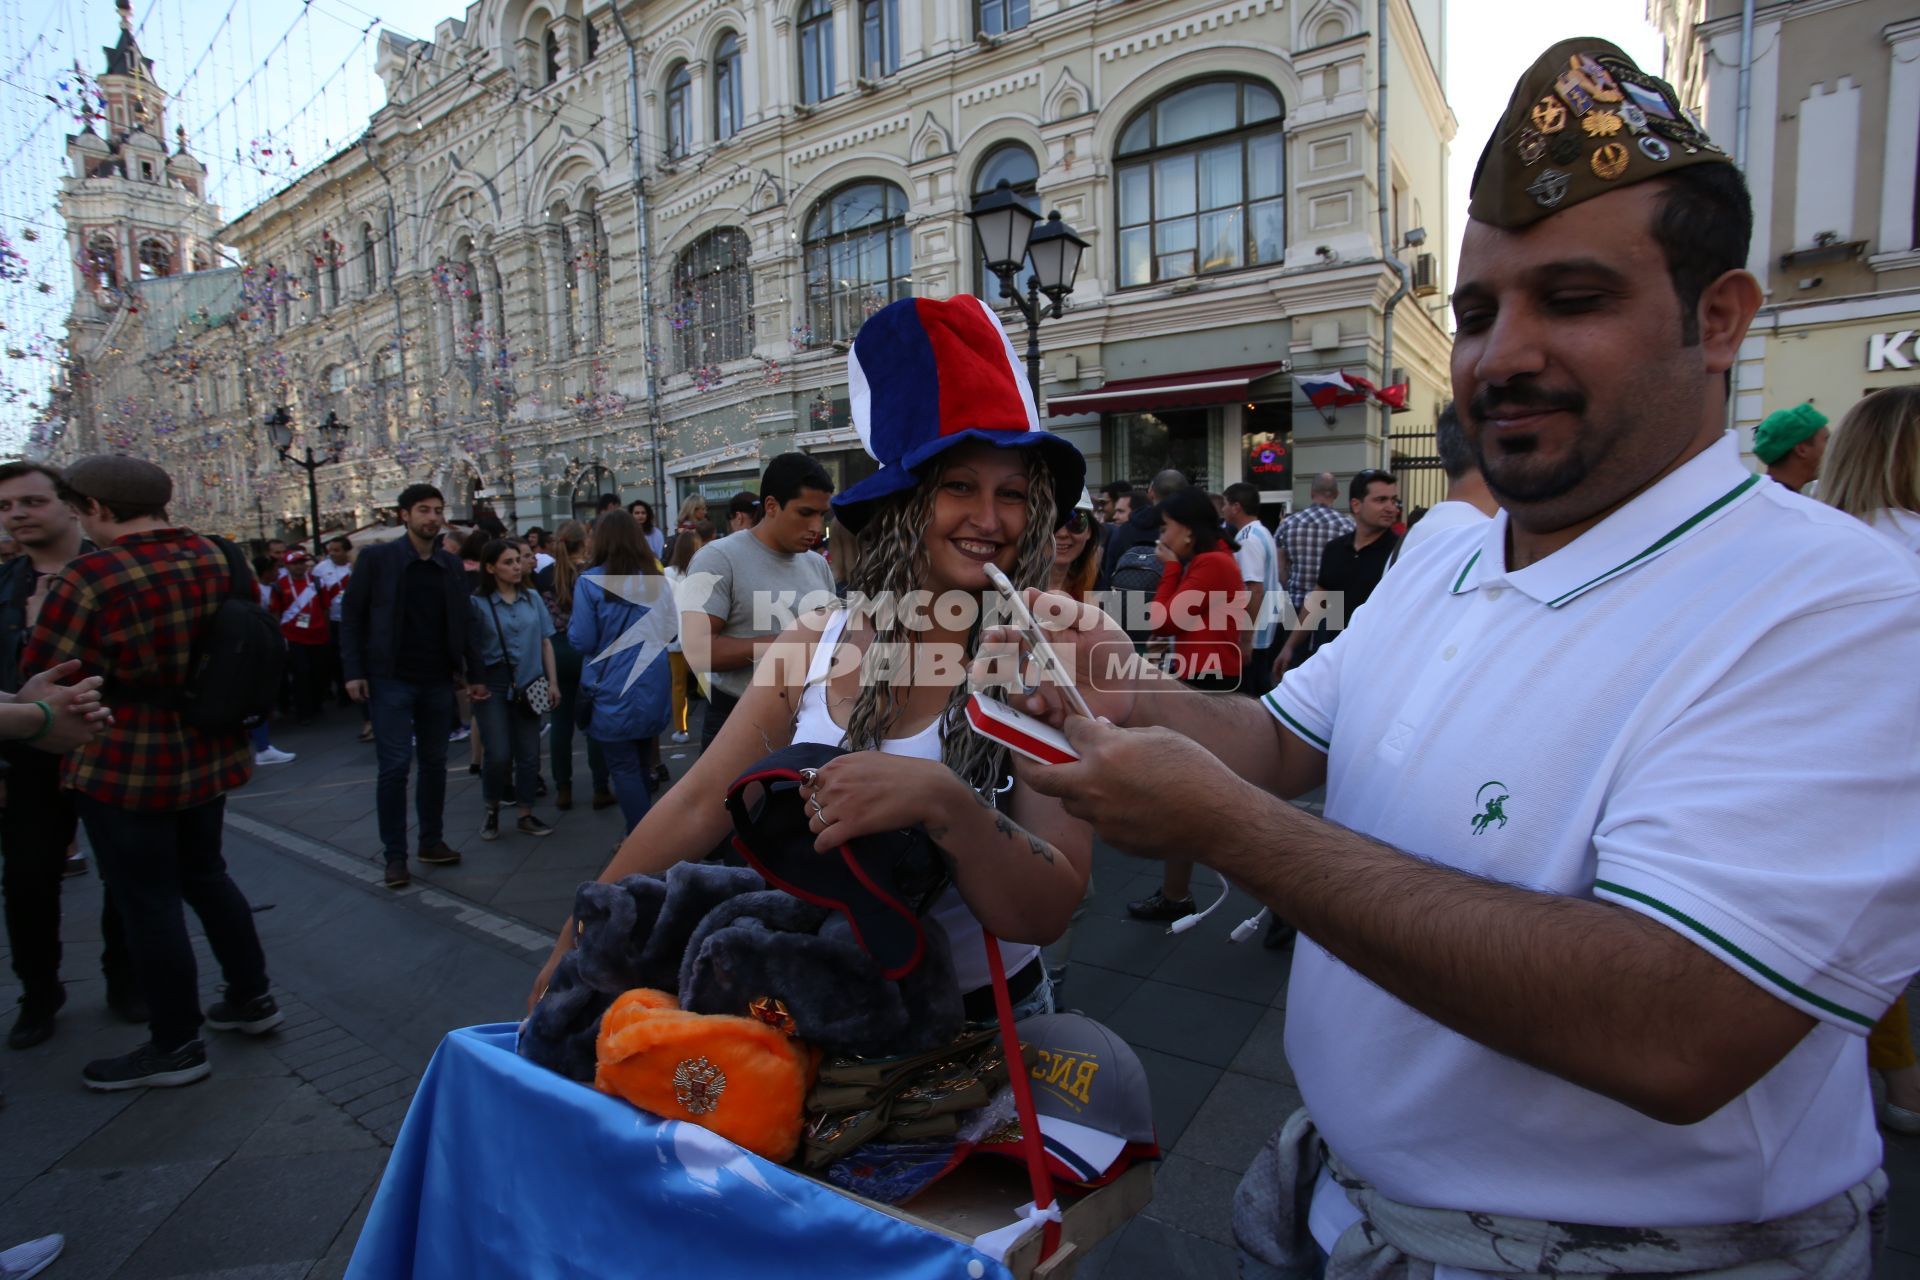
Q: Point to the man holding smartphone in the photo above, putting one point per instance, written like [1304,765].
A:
[1577,945]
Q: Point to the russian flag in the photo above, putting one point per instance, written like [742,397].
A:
[1329,390]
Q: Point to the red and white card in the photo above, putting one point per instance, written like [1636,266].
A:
[1017,731]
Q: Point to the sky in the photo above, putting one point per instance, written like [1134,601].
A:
[268,88]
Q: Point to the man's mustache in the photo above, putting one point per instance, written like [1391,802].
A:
[1522,397]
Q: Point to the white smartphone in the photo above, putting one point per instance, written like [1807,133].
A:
[1050,664]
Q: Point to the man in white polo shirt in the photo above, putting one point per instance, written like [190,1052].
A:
[1619,863]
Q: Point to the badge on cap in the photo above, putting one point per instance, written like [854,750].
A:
[1594,78]
[1549,115]
[1609,161]
[1550,188]
[1654,149]
[1600,124]
[1649,99]
[1573,92]
[1565,149]
[1532,146]
[1633,117]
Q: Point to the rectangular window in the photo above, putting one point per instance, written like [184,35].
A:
[879,38]
[816,60]
[997,17]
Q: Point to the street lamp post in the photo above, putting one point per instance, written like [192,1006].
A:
[1004,231]
[279,426]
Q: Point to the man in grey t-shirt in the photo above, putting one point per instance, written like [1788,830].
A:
[769,570]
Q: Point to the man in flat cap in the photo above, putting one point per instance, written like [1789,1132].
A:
[1587,960]
[1791,443]
[152,790]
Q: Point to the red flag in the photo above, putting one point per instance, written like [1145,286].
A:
[1394,397]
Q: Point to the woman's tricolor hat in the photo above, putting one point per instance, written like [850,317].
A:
[925,375]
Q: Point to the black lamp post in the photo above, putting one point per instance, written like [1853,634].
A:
[1004,230]
[279,426]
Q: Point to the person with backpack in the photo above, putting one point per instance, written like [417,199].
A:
[406,642]
[1130,574]
[170,621]
[627,705]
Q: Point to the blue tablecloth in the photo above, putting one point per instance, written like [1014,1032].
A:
[506,1170]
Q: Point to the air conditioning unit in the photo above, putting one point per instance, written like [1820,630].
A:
[1426,275]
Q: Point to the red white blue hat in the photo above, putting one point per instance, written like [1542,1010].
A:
[925,375]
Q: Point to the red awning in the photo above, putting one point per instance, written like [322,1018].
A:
[1166,391]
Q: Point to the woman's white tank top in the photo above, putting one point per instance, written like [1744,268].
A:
[950,910]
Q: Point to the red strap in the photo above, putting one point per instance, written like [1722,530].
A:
[1036,1155]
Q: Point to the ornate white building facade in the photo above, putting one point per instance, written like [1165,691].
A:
[510,287]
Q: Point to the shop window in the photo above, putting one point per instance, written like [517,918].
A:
[858,257]
[1200,183]
[1140,445]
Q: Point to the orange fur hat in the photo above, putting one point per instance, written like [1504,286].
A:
[743,1079]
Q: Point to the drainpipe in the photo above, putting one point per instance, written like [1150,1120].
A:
[646,258]
[1741,120]
[1389,254]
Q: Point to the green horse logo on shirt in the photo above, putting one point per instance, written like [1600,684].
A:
[1494,810]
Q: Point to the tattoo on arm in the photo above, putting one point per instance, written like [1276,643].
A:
[1005,826]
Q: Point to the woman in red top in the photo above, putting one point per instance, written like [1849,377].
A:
[1202,604]
[1201,598]
[300,604]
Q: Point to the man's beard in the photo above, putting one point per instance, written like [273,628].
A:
[1523,484]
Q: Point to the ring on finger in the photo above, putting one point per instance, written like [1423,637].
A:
[818,812]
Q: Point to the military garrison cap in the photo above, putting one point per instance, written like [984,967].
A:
[1583,121]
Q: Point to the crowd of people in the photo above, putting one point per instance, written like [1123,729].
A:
[1576,944]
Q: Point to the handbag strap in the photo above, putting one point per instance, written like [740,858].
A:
[493,603]
[1036,1157]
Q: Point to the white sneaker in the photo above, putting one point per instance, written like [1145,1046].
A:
[460,734]
[679,735]
[272,755]
[31,1258]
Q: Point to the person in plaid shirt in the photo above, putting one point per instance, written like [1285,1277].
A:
[151,791]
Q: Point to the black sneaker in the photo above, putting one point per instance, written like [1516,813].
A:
[35,1023]
[397,877]
[148,1068]
[1158,906]
[532,826]
[438,855]
[490,829]
[256,1017]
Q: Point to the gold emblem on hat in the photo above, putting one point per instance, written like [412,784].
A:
[698,1084]
[1609,161]
[773,1012]
[1550,188]
[1600,124]
[1549,115]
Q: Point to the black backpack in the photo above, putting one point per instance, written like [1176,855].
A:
[234,672]
[1136,576]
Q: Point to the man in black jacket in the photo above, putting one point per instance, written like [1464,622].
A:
[404,645]
[37,819]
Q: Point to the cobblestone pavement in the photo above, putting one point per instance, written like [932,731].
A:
[265,1171]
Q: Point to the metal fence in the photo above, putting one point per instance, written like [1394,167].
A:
[1416,464]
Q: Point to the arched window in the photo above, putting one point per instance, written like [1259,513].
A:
[679,127]
[587,488]
[879,38]
[156,260]
[592,31]
[997,17]
[713,300]
[551,45]
[393,247]
[1201,183]
[858,257]
[369,261]
[816,50]
[1012,163]
[103,263]
[728,109]
[330,251]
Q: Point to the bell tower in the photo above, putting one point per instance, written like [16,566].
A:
[134,211]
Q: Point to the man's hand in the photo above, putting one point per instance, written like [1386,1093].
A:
[78,716]
[1283,661]
[1147,792]
[478,693]
[357,690]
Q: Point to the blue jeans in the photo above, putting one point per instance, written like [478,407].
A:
[627,770]
[510,743]
[410,719]
[566,665]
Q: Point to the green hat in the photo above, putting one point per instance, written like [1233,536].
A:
[1583,121]
[1782,429]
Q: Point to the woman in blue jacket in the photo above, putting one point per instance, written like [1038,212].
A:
[623,619]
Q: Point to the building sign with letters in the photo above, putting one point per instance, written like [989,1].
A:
[1891,350]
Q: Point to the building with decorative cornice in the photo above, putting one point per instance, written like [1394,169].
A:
[1832,154]
[508,287]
